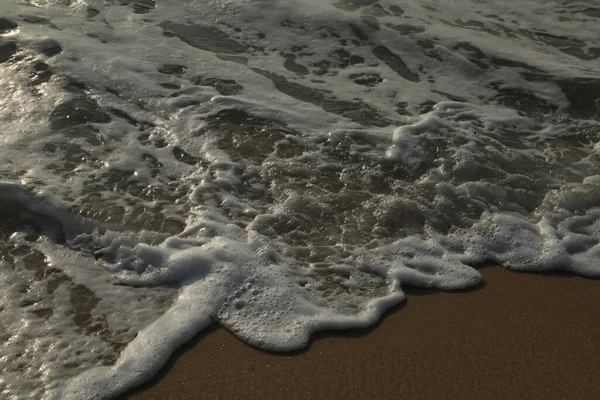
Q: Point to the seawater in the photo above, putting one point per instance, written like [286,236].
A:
[278,167]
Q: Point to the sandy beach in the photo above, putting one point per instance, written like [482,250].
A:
[518,336]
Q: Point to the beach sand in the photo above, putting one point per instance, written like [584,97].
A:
[518,336]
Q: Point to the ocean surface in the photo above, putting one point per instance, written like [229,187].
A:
[277,167]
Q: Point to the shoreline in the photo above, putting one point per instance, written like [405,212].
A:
[519,335]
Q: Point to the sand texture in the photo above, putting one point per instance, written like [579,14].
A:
[519,336]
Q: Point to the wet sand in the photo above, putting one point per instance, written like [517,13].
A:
[519,336]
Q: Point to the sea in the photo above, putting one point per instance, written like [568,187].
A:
[277,167]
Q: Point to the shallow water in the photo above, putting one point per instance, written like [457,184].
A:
[279,167]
